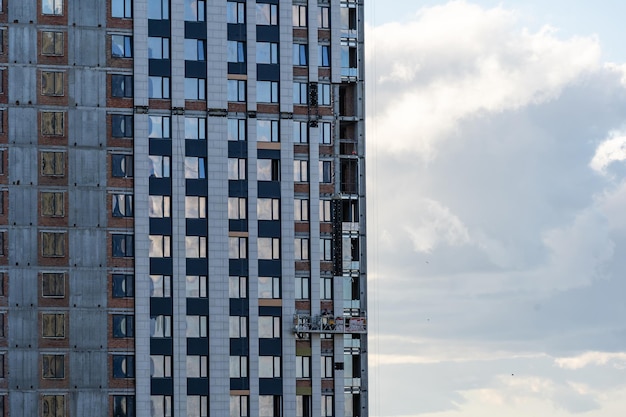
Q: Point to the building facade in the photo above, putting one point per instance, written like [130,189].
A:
[182,208]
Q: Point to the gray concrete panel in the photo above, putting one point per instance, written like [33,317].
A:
[87,47]
[24,368]
[27,402]
[87,167]
[88,126]
[23,82]
[88,208]
[84,334]
[89,403]
[22,206]
[92,374]
[22,45]
[87,12]
[88,247]
[22,11]
[23,246]
[89,289]
[83,88]
[23,294]
[20,132]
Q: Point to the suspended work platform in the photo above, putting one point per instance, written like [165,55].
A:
[326,323]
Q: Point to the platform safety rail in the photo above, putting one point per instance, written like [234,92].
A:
[327,323]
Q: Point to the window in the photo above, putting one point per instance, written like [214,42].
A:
[122,205]
[123,366]
[53,325]
[325,130]
[51,83]
[266,14]
[236,129]
[269,366]
[326,288]
[237,247]
[159,166]
[197,368]
[269,287]
[52,204]
[268,247]
[301,170]
[323,94]
[161,406]
[326,253]
[123,286]
[123,246]
[158,87]
[195,246]
[268,170]
[123,325]
[238,406]
[299,16]
[159,206]
[122,8]
[301,210]
[53,284]
[238,367]
[236,51]
[270,406]
[158,48]
[327,367]
[121,86]
[268,208]
[267,131]
[53,366]
[196,286]
[303,286]
[195,10]
[236,169]
[159,127]
[197,405]
[121,126]
[235,12]
[238,327]
[52,123]
[267,91]
[196,326]
[195,168]
[52,43]
[269,327]
[121,46]
[160,246]
[52,244]
[326,171]
[300,54]
[300,93]
[267,53]
[158,9]
[236,90]
[52,7]
[52,406]
[323,18]
[237,208]
[237,287]
[324,55]
[160,366]
[122,166]
[160,286]
[303,406]
[302,249]
[303,367]
[195,89]
[195,207]
[161,326]
[300,132]
[195,128]
[324,210]
[195,49]
[123,405]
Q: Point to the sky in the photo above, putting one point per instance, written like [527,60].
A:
[497,208]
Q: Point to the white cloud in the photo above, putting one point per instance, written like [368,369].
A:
[615,359]
[435,224]
[613,149]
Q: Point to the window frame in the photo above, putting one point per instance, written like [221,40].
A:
[125,48]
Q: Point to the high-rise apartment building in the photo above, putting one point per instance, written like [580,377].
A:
[182,208]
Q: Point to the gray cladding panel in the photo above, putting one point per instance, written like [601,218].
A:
[85,334]
[88,12]
[23,205]
[22,46]
[23,245]
[22,125]
[23,82]
[89,289]
[87,88]
[88,247]
[23,289]
[22,11]
[89,403]
[87,208]
[24,403]
[92,366]
[24,166]
[87,167]
[88,126]
[87,47]
[23,332]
